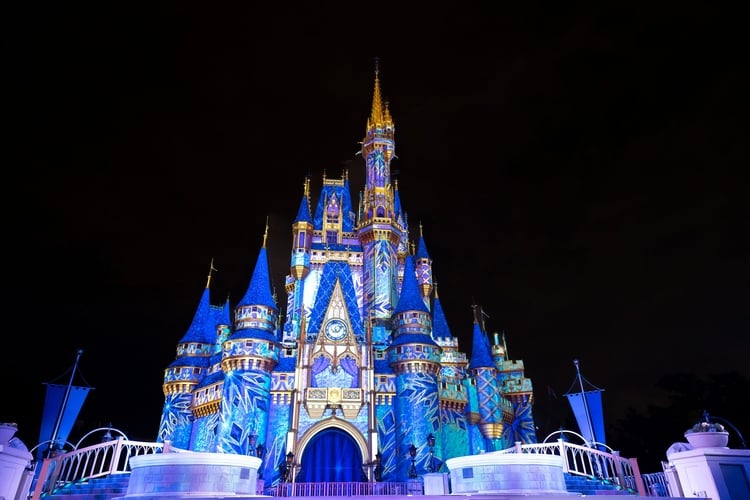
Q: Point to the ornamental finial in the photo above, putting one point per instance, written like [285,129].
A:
[376,115]
[265,233]
[211,269]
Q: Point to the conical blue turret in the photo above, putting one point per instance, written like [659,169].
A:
[187,371]
[253,352]
[411,297]
[259,291]
[415,358]
[481,352]
[484,371]
[256,314]
[440,328]
[397,210]
[201,330]
[303,213]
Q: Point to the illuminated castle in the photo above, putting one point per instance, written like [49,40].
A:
[364,370]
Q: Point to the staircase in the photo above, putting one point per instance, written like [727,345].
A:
[102,488]
[591,486]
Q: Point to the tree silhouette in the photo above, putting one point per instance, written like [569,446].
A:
[646,435]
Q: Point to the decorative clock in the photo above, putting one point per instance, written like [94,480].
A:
[335,329]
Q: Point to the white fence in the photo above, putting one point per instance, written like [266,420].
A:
[113,457]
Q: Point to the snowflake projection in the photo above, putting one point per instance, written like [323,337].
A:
[522,428]
[248,392]
[176,420]
[387,436]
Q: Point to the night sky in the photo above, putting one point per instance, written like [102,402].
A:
[576,169]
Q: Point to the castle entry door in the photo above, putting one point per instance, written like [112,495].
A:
[331,456]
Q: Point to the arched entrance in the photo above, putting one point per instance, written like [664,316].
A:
[332,455]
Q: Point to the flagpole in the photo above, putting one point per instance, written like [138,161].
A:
[585,403]
[64,404]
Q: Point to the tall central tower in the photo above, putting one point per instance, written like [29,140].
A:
[381,230]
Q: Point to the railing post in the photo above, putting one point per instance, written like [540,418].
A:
[114,465]
[41,479]
[564,455]
[637,477]
[618,469]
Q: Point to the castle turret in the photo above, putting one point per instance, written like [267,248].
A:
[415,358]
[302,231]
[249,356]
[183,375]
[484,372]
[302,238]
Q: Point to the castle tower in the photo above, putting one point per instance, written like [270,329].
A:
[484,372]
[184,374]
[415,358]
[302,237]
[249,356]
[379,231]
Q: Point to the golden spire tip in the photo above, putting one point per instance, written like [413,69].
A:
[211,269]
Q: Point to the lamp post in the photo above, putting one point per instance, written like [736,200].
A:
[285,467]
[413,468]
[260,450]
[431,444]
[378,466]
[289,466]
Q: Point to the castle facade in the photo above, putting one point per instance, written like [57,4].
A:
[362,380]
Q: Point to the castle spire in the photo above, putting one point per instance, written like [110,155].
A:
[211,269]
[376,114]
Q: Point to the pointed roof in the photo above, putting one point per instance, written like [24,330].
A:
[440,326]
[303,213]
[411,296]
[396,200]
[380,114]
[376,113]
[421,246]
[202,327]
[259,290]
[481,352]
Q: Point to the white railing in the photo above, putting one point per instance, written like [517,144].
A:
[113,457]
[99,460]
[579,460]
[338,489]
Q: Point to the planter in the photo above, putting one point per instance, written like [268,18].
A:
[7,431]
[707,439]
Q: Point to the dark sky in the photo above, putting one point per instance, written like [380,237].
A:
[576,170]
